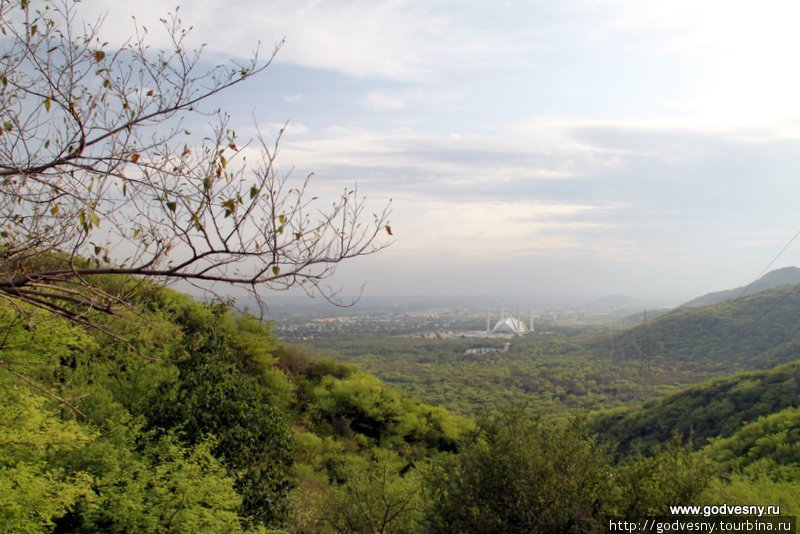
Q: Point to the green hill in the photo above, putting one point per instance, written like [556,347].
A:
[776,278]
[718,408]
[753,331]
[200,421]
[770,444]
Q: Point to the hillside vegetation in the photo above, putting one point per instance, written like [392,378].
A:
[715,409]
[753,332]
[747,426]
[203,421]
[188,417]
[555,374]
[759,464]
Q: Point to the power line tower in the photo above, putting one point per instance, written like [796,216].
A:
[646,352]
[616,348]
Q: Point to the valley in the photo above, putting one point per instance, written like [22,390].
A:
[573,360]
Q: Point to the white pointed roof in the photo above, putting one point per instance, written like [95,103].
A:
[510,325]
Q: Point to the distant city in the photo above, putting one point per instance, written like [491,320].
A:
[452,317]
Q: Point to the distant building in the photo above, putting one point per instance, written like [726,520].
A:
[510,325]
[487,350]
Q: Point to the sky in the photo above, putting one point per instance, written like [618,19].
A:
[636,147]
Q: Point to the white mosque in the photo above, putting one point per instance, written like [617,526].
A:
[510,325]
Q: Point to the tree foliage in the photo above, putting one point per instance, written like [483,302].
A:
[33,491]
[757,331]
[375,494]
[523,474]
[717,408]
[155,448]
[520,475]
[219,394]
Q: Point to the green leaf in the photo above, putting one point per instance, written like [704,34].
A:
[95,219]
[54,209]
[107,83]
[8,126]
[276,270]
[254,191]
[282,219]
[172,206]
[47,103]
[97,250]
[223,161]
[230,207]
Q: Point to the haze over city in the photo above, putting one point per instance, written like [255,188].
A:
[573,147]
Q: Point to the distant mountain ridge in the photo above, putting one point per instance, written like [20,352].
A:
[776,278]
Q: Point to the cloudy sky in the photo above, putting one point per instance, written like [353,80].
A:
[555,146]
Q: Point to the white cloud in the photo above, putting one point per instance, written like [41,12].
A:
[492,228]
[398,40]
[735,56]
[289,130]
[389,100]
[541,149]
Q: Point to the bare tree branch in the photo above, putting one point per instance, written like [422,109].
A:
[99,174]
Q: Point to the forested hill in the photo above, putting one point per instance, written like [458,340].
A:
[776,278]
[199,422]
[758,332]
[718,408]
